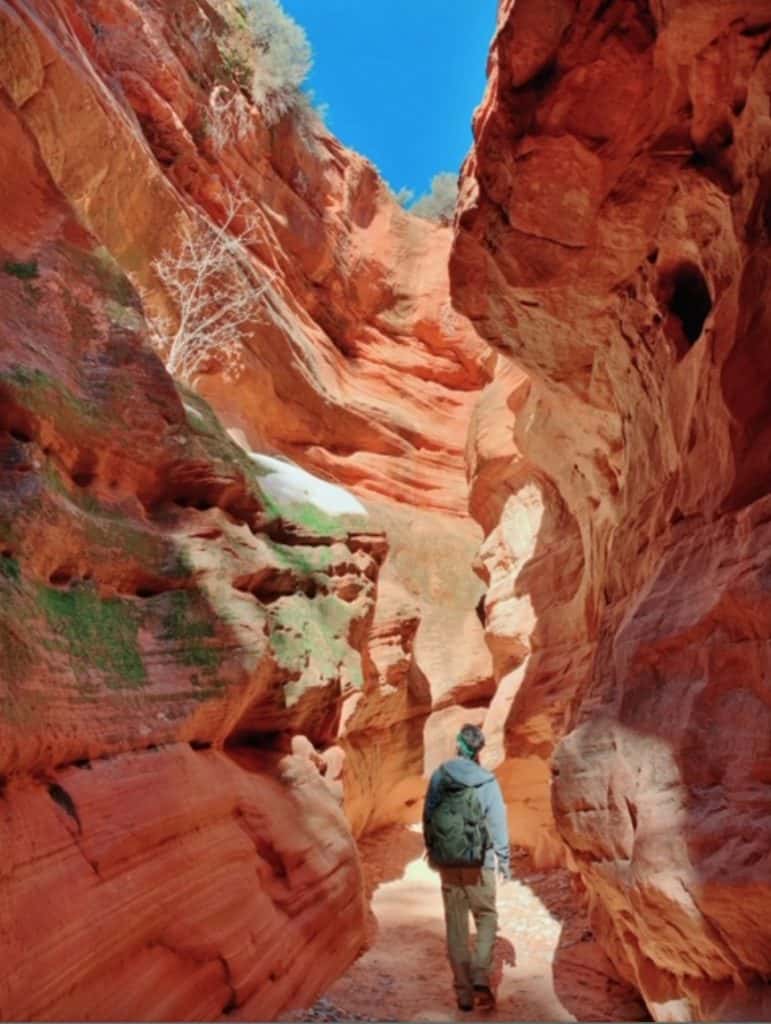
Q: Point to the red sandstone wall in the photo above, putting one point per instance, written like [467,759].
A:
[150,601]
[613,240]
[356,365]
[216,622]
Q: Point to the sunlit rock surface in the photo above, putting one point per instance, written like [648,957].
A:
[156,612]
[613,239]
[355,365]
[175,611]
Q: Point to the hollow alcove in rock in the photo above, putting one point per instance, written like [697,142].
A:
[684,296]
[361,371]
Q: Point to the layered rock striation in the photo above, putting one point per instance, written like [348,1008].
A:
[163,857]
[202,657]
[613,239]
[353,363]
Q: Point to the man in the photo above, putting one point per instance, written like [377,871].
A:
[464,800]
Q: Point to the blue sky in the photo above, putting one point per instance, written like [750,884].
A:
[401,77]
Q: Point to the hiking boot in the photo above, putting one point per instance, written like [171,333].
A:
[466,1002]
[484,997]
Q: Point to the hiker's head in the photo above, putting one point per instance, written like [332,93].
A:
[470,740]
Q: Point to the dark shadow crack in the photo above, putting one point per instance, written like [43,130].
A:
[60,796]
[232,1002]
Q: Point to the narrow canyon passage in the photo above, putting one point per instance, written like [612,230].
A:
[506,464]
[547,964]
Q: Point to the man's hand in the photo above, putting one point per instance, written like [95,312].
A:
[504,878]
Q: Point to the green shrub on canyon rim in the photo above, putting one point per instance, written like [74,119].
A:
[282,59]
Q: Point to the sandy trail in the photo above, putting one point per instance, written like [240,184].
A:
[548,966]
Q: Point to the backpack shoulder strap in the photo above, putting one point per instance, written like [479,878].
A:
[449,783]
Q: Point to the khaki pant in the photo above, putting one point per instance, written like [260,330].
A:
[471,890]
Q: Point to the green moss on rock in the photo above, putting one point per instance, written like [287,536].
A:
[311,638]
[187,624]
[9,568]
[39,392]
[219,447]
[304,561]
[97,633]
[108,527]
[316,520]
[103,272]
[209,432]
[24,271]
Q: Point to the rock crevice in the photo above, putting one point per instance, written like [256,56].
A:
[610,223]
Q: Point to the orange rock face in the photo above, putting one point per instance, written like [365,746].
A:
[217,895]
[612,239]
[355,364]
[186,613]
[161,860]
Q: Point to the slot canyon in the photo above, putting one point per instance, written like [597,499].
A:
[509,467]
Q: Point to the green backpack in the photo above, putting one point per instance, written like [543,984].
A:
[456,835]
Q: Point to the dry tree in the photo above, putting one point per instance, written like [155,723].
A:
[439,204]
[282,61]
[229,117]
[216,294]
[403,197]
[275,63]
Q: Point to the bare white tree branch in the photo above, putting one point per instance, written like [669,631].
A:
[229,117]
[216,293]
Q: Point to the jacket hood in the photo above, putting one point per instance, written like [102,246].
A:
[467,772]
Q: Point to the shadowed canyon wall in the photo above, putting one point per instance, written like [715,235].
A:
[160,859]
[215,661]
[354,365]
[150,604]
[613,238]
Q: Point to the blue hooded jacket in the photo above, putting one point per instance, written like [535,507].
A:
[469,773]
